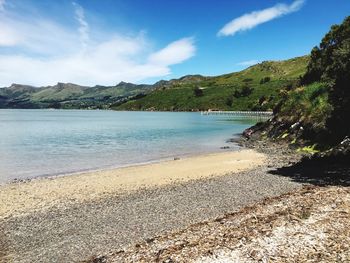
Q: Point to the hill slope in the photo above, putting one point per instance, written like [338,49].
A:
[67,95]
[256,88]
[316,112]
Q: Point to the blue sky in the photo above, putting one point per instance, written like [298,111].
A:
[104,42]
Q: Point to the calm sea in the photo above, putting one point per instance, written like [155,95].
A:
[48,142]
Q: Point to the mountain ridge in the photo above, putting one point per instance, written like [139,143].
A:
[122,95]
[68,95]
[255,88]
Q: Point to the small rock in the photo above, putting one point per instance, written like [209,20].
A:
[100,259]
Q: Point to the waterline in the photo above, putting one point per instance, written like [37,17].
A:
[43,142]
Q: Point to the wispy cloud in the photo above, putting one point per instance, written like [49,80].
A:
[35,35]
[253,19]
[248,63]
[2,5]
[35,55]
[84,26]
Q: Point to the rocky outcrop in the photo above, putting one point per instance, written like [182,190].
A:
[339,152]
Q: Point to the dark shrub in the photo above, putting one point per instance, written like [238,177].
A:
[198,92]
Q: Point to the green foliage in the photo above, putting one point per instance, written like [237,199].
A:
[229,101]
[308,149]
[235,91]
[262,99]
[189,93]
[308,104]
[330,63]
[198,92]
[55,105]
[284,135]
[243,92]
[264,80]
[69,96]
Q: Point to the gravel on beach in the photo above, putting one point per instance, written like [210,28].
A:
[309,225]
[78,231]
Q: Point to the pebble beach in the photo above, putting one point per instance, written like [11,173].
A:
[80,216]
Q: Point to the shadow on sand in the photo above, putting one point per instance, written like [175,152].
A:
[319,171]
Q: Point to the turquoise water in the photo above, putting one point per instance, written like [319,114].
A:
[48,142]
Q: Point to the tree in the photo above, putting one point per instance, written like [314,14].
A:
[55,105]
[198,92]
[236,93]
[330,63]
[229,101]
[264,80]
[262,99]
[243,92]
[246,91]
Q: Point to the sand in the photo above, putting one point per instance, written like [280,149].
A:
[19,199]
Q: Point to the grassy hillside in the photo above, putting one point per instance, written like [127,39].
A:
[68,96]
[316,112]
[309,104]
[256,88]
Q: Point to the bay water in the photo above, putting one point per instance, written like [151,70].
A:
[36,143]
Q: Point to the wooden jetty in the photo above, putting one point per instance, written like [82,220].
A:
[239,113]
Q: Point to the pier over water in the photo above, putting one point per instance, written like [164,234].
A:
[265,114]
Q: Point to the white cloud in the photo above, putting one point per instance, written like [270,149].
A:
[8,37]
[174,53]
[33,35]
[251,20]
[43,53]
[248,63]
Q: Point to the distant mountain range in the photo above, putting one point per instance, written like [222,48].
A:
[254,88]
[69,96]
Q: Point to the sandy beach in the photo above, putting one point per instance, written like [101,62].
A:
[78,216]
[19,198]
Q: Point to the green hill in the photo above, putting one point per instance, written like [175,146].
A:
[69,96]
[316,112]
[255,88]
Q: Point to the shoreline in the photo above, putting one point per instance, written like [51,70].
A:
[232,140]
[59,219]
[83,216]
[31,169]
[43,193]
